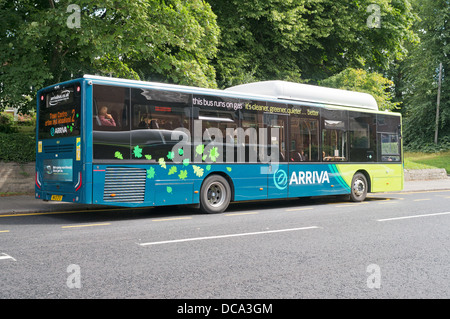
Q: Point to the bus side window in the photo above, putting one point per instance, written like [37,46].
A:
[111,134]
[304,134]
[334,135]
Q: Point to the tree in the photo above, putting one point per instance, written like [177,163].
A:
[47,41]
[361,81]
[421,70]
[302,40]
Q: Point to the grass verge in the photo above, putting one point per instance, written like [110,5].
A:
[417,160]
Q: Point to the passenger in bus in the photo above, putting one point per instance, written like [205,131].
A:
[105,118]
[145,121]
[299,156]
[153,124]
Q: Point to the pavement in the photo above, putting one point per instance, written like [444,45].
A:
[23,204]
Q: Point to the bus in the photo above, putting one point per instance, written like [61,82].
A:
[110,141]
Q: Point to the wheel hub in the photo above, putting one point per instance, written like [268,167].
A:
[215,195]
[358,187]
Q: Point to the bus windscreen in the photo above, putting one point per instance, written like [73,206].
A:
[59,112]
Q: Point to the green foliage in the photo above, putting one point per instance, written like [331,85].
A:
[361,81]
[7,124]
[299,39]
[419,145]
[169,41]
[420,80]
[17,147]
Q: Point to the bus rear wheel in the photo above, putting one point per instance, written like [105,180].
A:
[358,188]
[215,194]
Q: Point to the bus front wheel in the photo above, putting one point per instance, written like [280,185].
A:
[215,195]
[358,188]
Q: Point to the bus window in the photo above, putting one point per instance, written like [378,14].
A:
[155,115]
[251,122]
[362,137]
[111,131]
[388,129]
[334,136]
[390,148]
[304,136]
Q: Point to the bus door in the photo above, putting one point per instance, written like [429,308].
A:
[277,175]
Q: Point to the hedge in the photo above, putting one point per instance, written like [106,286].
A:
[17,147]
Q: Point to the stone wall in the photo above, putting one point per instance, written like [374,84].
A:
[425,174]
[17,177]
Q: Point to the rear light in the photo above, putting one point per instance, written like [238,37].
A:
[78,184]
[38,182]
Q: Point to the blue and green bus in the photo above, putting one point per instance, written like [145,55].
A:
[110,141]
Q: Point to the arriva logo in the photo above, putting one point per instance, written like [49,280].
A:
[309,177]
[280,179]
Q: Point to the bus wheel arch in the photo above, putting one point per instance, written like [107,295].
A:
[360,186]
[216,193]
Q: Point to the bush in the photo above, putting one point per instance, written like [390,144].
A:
[419,145]
[26,119]
[17,147]
[7,124]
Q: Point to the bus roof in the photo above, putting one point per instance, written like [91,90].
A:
[278,90]
[308,93]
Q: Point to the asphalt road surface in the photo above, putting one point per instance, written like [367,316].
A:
[390,246]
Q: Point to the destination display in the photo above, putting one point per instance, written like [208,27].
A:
[59,114]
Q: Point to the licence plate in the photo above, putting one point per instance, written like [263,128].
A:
[57,197]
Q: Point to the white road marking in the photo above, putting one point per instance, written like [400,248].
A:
[226,236]
[240,214]
[413,216]
[298,209]
[5,256]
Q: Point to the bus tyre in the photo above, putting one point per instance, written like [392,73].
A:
[358,188]
[215,194]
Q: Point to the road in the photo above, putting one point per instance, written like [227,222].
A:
[390,246]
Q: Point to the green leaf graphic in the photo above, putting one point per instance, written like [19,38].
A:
[229,169]
[149,157]
[186,162]
[208,167]
[169,189]
[137,151]
[183,174]
[151,172]
[198,170]
[118,155]
[180,151]
[170,155]
[172,170]
[213,154]
[162,162]
[199,149]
